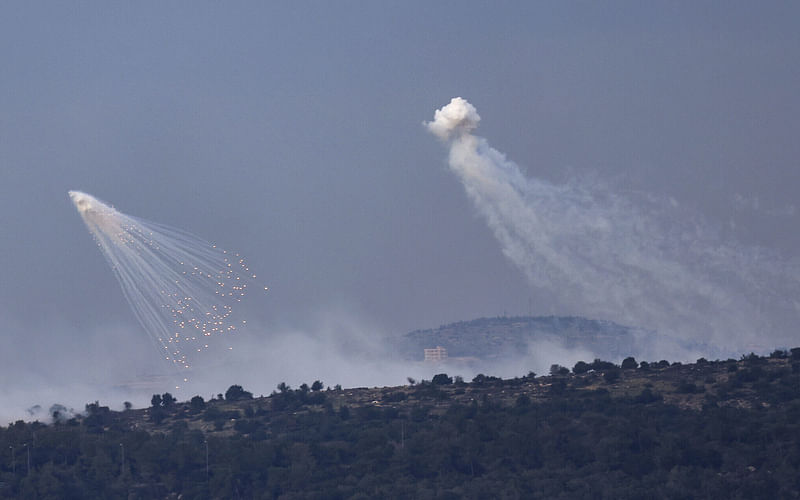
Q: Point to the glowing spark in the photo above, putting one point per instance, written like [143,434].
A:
[167,275]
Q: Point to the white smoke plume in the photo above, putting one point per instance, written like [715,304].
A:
[636,259]
[457,117]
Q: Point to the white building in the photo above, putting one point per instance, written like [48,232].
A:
[438,353]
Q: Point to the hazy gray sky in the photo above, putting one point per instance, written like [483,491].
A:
[293,133]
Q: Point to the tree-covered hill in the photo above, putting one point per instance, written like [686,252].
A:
[495,338]
[498,338]
[711,429]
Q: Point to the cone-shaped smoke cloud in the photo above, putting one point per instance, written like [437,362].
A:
[639,260]
[184,291]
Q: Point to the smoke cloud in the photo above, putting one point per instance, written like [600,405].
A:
[633,258]
[457,117]
[336,345]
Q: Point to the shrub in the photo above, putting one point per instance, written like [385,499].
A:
[648,396]
[686,387]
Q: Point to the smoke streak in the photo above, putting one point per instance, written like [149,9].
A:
[635,259]
[182,289]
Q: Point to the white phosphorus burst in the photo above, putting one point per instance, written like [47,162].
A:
[181,288]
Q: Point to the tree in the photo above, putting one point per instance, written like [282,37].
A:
[441,379]
[580,367]
[600,365]
[197,403]
[629,363]
[236,393]
[167,400]
[304,388]
[155,401]
[283,388]
[128,405]
[317,386]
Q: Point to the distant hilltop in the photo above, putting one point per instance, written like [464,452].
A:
[501,337]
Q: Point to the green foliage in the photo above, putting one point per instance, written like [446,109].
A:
[687,387]
[167,400]
[599,365]
[611,375]
[197,403]
[442,379]
[236,393]
[581,367]
[516,438]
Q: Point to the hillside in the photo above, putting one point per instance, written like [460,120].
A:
[491,338]
[500,337]
[720,429]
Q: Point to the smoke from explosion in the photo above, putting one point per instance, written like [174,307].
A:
[183,290]
[637,259]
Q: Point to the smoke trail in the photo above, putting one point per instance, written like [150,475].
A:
[182,289]
[635,259]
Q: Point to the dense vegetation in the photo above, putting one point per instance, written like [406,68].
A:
[712,429]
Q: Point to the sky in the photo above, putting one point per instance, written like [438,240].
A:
[293,133]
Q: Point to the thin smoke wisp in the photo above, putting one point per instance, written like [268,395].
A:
[636,259]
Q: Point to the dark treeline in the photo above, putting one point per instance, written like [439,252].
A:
[712,429]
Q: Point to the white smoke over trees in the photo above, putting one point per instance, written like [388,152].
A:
[637,259]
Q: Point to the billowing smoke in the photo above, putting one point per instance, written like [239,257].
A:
[457,117]
[636,259]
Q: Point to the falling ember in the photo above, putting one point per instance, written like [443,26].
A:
[168,276]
